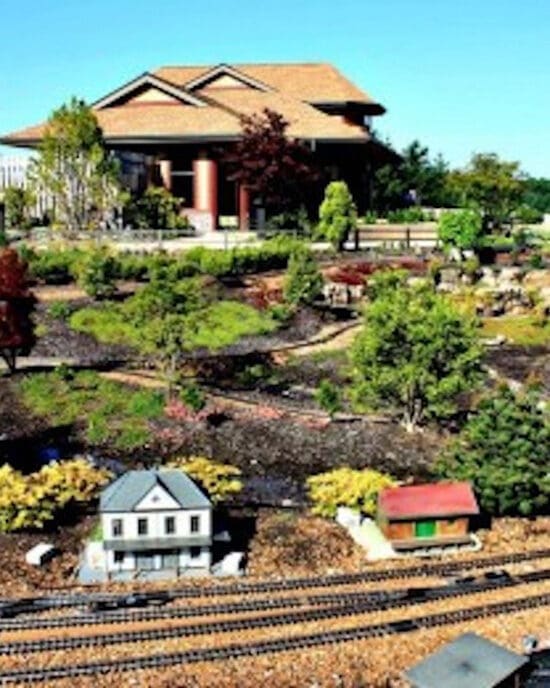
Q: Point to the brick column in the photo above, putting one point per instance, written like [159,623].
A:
[244,208]
[165,168]
[205,188]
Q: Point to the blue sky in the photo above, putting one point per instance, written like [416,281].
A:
[462,76]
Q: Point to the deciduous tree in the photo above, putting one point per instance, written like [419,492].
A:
[416,352]
[16,306]
[75,169]
[274,167]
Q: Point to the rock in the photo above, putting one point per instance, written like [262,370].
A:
[348,518]
[232,564]
[40,554]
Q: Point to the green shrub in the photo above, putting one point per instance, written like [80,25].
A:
[536,261]
[411,215]
[157,208]
[337,214]
[303,280]
[193,397]
[59,310]
[370,217]
[503,451]
[53,266]
[18,206]
[527,215]
[462,229]
[220,480]
[96,273]
[107,324]
[329,397]
[356,489]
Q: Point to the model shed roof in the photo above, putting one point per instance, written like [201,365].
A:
[425,501]
[207,102]
[127,491]
[469,661]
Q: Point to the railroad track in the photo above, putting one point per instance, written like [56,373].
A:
[158,661]
[31,605]
[347,605]
[367,601]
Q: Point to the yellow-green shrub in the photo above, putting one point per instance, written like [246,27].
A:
[30,501]
[356,489]
[219,480]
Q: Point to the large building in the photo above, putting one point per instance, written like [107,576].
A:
[170,127]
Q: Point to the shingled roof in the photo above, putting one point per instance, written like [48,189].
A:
[129,489]
[184,104]
[470,661]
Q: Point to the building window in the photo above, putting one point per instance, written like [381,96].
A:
[170,525]
[194,552]
[117,527]
[142,526]
[118,557]
[195,524]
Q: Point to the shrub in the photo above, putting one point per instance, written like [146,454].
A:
[53,266]
[60,310]
[356,489]
[303,280]
[525,214]
[32,501]
[462,229]
[157,208]
[536,261]
[219,480]
[193,397]
[370,217]
[407,215]
[503,451]
[96,273]
[329,397]
[337,214]
[18,202]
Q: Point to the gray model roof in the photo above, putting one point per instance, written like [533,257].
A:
[468,661]
[127,491]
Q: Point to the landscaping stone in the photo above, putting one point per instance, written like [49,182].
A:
[40,554]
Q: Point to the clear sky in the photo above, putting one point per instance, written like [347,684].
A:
[460,75]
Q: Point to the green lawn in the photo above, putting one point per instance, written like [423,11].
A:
[219,325]
[110,412]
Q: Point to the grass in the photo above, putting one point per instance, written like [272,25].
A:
[110,412]
[219,325]
[524,330]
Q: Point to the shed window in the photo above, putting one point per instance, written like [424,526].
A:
[117,527]
[195,524]
[118,557]
[194,552]
[142,526]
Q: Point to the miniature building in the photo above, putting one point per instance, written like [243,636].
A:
[425,515]
[470,661]
[155,521]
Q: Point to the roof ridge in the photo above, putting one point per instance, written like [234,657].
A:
[242,64]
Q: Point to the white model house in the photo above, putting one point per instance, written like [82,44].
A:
[155,520]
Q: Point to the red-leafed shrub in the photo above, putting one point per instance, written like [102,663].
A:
[16,306]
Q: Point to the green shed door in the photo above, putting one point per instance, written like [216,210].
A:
[424,529]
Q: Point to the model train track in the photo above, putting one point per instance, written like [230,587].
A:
[31,605]
[347,605]
[159,661]
[369,600]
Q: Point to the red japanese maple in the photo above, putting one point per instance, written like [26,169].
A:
[274,167]
[16,306]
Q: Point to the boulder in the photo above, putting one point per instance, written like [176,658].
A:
[40,554]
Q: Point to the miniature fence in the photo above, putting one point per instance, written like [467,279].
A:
[421,234]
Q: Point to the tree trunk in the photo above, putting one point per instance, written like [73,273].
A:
[9,357]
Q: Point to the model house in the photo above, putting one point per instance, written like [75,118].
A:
[467,662]
[423,515]
[155,520]
[170,126]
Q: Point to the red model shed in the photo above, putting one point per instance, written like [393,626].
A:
[424,515]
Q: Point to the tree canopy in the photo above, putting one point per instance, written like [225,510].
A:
[504,450]
[276,168]
[416,353]
[462,229]
[75,169]
[337,214]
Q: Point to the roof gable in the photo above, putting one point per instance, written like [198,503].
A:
[468,661]
[425,501]
[144,84]
[133,489]
[158,498]
[225,76]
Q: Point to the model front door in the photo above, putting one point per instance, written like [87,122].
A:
[424,529]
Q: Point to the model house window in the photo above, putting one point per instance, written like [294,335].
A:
[170,525]
[118,557]
[194,552]
[117,527]
[142,526]
[195,524]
